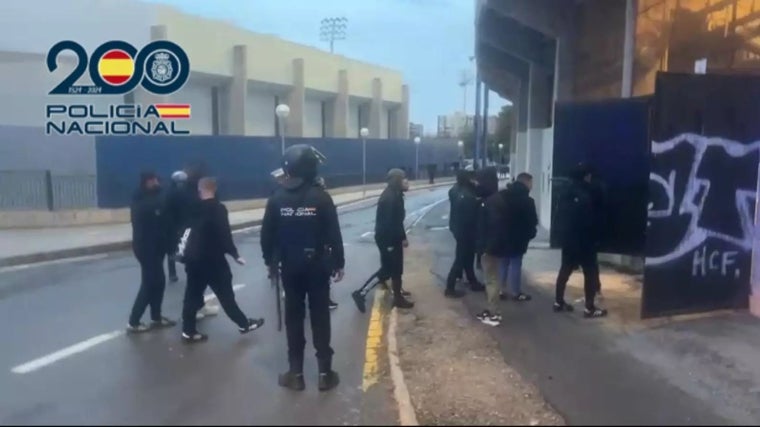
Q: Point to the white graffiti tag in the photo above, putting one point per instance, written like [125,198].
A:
[696,193]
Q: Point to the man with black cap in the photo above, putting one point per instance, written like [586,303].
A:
[151,241]
[390,234]
[300,232]
[579,230]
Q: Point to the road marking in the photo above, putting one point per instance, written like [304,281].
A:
[66,352]
[444,217]
[247,229]
[424,211]
[407,417]
[52,262]
[374,340]
[438,228]
[84,345]
[212,296]
[367,234]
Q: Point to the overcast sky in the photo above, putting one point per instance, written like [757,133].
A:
[429,41]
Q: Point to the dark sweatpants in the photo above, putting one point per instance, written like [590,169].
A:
[315,283]
[151,293]
[464,260]
[586,260]
[218,277]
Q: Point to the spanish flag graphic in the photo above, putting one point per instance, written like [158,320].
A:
[116,67]
[173,111]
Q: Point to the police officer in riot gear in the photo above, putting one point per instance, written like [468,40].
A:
[301,233]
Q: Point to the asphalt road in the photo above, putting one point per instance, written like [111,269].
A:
[576,363]
[65,359]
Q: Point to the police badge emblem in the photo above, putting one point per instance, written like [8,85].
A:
[161,69]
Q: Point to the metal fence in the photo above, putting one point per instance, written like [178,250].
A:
[46,190]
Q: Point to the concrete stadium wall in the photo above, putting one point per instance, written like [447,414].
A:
[29,149]
[243,164]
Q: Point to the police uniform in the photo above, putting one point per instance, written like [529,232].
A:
[300,231]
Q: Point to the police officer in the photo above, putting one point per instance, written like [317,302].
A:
[300,231]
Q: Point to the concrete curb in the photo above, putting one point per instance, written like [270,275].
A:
[127,244]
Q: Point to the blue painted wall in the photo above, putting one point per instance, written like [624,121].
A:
[243,164]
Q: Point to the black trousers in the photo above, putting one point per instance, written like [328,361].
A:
[391,266]
[464,260]
[586,260]
[218,277]
[152,286]
[313,282]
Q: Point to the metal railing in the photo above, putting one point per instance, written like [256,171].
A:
[46,190]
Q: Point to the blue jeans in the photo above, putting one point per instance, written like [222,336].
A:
[510,272]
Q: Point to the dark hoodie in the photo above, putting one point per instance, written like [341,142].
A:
[214,235]
[577,221]
[488,181]
[463,177]
[518,217]
[151,232]
[389,220]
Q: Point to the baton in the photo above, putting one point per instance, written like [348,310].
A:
[275,281]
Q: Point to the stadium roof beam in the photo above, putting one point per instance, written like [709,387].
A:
[511,36]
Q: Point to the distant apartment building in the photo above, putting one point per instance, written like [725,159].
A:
[454,125]
[416,129]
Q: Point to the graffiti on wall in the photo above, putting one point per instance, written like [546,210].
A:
[700,223]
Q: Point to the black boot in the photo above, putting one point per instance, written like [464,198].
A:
[293,379]
[328,379]
[399,300]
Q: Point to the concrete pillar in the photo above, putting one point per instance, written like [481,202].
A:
[376,109]
[237,92]
[339,107]
[296,99]
[631,11]
[402,115]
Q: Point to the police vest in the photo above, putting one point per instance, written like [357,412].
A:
[299,233]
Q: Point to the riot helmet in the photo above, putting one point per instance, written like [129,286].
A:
[300,163]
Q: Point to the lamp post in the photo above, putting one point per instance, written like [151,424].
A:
[282,111]
[364,132]
[417,142]
[332,30]
[460,144]
[501,156]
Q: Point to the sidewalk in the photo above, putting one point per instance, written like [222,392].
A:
[23,246]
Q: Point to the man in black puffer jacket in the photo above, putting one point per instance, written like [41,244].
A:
[520,221]
[151,241]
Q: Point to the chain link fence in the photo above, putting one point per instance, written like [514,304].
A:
[46,190]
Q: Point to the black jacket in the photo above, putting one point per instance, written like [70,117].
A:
[389,219]
[467,207]
[578,218]
[212,235]
[453,196]
[520,220]
[302,221]
[150,225]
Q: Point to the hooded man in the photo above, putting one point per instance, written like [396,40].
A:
[175,206]
[151,242]
[464,226]
[578,226]
[390,234]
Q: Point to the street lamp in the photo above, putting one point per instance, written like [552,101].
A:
[282,111]
[460,144]
[417,142]
[364,132]
[501,156]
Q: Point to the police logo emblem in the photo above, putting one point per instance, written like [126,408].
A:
[161,69]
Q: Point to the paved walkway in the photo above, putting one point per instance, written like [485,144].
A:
[35,245]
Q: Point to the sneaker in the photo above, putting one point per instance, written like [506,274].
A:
[492,320]
[137,329]
[477,287]
[401,302]
[253,324]
[503,296]
[521,297]
[594,313]
[194,338]
[453,293]
[405,293]
[560,307]
[328,380]
[361,303]
[162,323]
[333,305]
[483,315]
[292,381]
